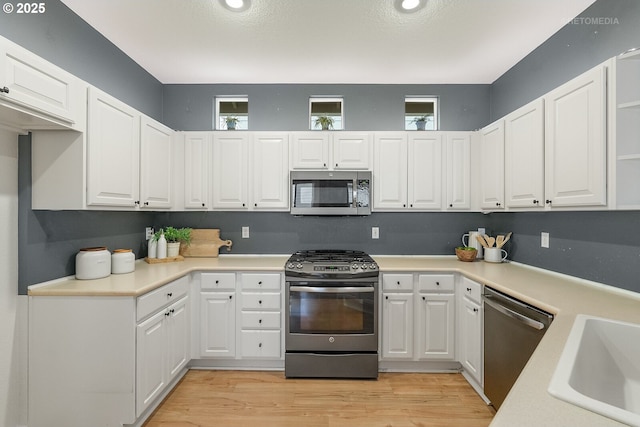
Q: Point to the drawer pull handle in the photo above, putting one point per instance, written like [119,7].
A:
[437,283]
[260,282]
[468,289]
[398,282]
[259,320]
[260,345]
[217,281]
[167,314]
[260,302]
[170,294]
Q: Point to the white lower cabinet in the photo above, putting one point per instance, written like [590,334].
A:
[248,329]
[471,329]
[436,327]
[397,326]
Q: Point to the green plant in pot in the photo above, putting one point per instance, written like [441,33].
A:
[325,122]
[231,122]
[175,237]
[420,122]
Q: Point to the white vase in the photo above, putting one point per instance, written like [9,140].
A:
[162,247]
[173,249]
[153,248]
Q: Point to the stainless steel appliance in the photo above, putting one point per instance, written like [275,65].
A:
[331,193]
[512,331]
[331,323]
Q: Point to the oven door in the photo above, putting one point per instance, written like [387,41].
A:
[331,316]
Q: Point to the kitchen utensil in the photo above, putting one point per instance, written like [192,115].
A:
[490,240]
[499,241]
[506,239]
[483,242]
[205,242]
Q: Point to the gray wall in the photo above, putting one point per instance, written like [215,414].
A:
[286,107]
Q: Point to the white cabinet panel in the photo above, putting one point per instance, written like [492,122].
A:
[437,326]
[397,326]
[352,150]
[270,171]
[458,173]
[230,170]
[492,166]
[217,324]
[197,168]
[575,138]
[151,375]
[259,344]
[390,171]
[113,152]
[471,340]
[310,150]
[425,170]
[155,164]
[524,156]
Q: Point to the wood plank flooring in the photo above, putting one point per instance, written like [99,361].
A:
[267,399]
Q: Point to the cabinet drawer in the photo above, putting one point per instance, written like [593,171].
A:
[436,283]
[261,344]
[161,297]
[260,320]
[261,281]
[397,282]
[471,289]
[222,281]
[260,301]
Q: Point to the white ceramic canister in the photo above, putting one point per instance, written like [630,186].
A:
[93,263]
[123,261]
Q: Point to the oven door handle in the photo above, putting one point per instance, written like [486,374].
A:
[332,290]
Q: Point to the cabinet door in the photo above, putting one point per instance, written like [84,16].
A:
[310,150]
[155,164]
[218,324]
[437,326]
[270,171]
[39,88]
[575,142]
[113,152]
[352,150]
[524,156]
[197,165]
[390,171]
[397,326]
[178,328]
[425,171]
[492,166]
[458,176]
[471,339]
[151,373]
[230,170]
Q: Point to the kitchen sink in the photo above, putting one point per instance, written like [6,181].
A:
[599,368]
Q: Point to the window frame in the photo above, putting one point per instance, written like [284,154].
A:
[425,99]
[216,108]
[338,99]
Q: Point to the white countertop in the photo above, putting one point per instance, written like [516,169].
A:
[528,403]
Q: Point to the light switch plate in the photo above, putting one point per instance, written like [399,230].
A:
[245,232]
[375,232]
[544,240]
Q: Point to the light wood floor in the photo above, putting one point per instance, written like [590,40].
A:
[266,399]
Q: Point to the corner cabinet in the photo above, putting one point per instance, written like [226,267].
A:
[155,164]
[492,166]
[576,142]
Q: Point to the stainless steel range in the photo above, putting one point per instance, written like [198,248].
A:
[331,315]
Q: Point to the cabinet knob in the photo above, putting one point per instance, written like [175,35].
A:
[336,165]
[450,205]
[255,204]
[167,314]
[468,289]
[324,165]
[536,202]
[398,282]
[424,298]
[243,205]
[498,203]
[4,90]
[260,282]
[260,321]
[548,201]
[260,345]
[137,202]
[169,295]
[203,205]
[172,311]
[260,302]
[230,296]
[437,283]
[411,205]
[146,203]
[386,297]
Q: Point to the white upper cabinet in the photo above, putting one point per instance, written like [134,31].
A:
[270,170]
[197,166]
[113,152]
[492,166]
[230,180]
[458,172]
[524,156]
[576,142]
[425,170]
[310,150]
[390,170]
[36,94]
[155,164]
[351,150]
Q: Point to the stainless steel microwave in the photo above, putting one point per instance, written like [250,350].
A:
[331,193]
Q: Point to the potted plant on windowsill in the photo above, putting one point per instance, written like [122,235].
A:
[175,237]
[325,122]
[231,122]
[420,122]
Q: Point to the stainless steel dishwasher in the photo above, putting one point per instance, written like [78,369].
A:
[512,331]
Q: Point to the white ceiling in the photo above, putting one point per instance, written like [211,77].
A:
[327,41]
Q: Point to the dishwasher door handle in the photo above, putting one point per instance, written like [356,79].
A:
[515,315]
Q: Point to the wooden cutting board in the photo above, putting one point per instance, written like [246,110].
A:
[205,243]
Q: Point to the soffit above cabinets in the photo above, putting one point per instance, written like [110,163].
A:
[327,41]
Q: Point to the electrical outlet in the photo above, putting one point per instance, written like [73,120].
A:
[375,232]
[148,232]
[245,232]
[544,240]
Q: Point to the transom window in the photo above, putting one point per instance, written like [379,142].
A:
[421,113]
[232,113]
[325,113]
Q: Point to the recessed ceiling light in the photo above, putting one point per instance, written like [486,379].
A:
[236,4]
[410,4]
